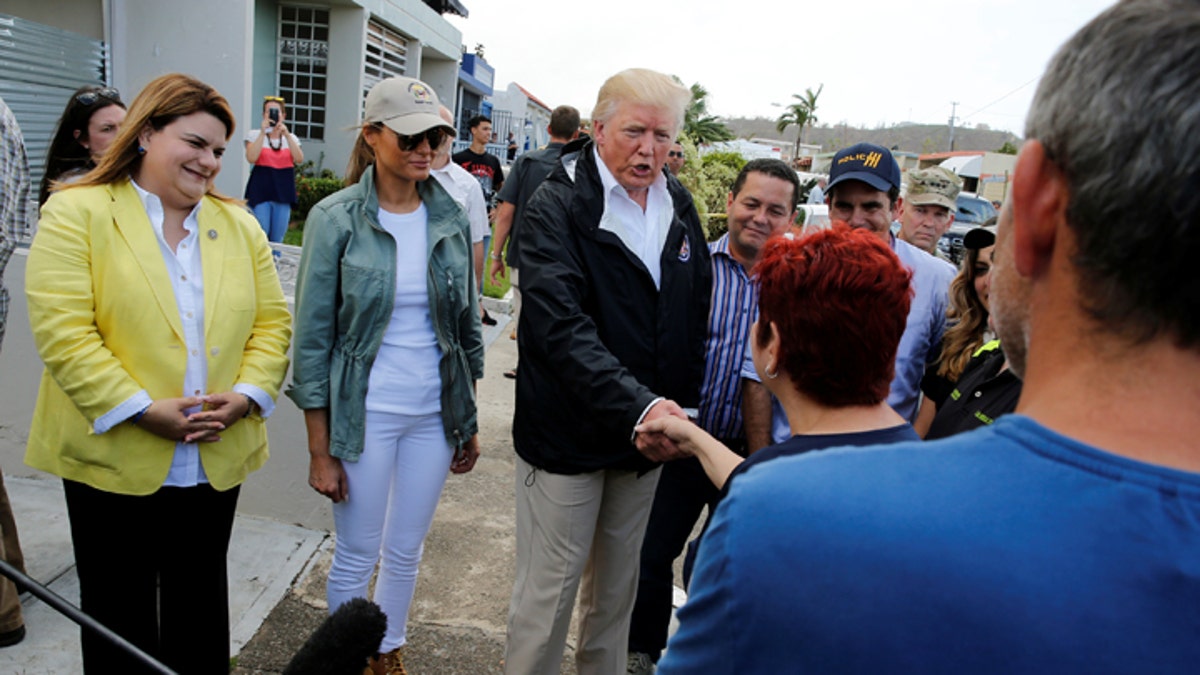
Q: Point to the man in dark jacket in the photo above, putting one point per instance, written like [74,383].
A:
[524,179]
[616,277]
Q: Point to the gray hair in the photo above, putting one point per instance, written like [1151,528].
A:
[1118,111]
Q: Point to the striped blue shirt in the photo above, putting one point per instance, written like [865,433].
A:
[734,308]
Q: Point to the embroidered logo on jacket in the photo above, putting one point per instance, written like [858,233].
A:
[685,251]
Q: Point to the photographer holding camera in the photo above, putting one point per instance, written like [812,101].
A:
[275,152]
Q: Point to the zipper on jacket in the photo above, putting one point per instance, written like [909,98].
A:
[437,313]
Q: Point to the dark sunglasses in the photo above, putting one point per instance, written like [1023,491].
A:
[407,143]
[90,97]
[673,153]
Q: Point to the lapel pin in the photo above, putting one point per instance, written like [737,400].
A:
[212,234]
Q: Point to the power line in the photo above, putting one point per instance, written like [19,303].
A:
[966,117]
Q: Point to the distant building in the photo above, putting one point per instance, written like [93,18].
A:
[528,117]
[321,57]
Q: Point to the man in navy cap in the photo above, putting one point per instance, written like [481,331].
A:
[864,191]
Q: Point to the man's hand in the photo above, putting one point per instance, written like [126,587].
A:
[496,269]
[657,446]
[167,418]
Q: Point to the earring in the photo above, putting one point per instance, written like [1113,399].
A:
[772,375]
[141,150]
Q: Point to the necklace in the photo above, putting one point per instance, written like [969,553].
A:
[275,146]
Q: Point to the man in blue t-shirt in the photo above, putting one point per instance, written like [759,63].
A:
[1065,537]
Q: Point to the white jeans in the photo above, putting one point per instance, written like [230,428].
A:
[392,493]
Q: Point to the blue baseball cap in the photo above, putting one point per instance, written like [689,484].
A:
[866,162]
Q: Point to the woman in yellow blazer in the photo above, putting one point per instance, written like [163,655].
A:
[156,308]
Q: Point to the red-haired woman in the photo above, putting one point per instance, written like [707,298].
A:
[829,361]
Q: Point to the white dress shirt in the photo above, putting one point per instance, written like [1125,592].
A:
[465,190]
[644,232]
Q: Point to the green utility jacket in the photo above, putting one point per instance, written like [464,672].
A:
[344,295]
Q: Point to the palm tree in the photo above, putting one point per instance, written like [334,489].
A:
[801,114]
[698,125]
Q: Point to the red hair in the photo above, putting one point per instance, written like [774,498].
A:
[839,299]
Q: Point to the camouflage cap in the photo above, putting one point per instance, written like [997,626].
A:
[934,185]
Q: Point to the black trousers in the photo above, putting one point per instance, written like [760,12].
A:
[153,570]
[683,492]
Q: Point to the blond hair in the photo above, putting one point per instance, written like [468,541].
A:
[644,86]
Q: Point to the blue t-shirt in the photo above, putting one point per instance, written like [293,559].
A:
[1007,549]
[798,445]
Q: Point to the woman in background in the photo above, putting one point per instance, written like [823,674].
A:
[87,127]
[275,153]
[968,330]
[985,387]
[156,309]
[388,349]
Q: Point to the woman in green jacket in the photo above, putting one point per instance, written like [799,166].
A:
[388,347]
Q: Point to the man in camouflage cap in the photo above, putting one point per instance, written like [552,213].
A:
[929,207]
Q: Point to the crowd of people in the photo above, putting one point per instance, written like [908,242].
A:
[905,465]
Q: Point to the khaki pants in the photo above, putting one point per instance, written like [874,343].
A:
[10,551]
[588,528]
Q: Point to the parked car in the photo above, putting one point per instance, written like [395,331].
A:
[973,211]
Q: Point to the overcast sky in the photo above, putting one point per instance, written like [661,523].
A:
[881,61]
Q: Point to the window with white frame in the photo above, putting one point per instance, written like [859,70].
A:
[303,68]
[386,55]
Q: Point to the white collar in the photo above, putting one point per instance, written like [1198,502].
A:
[154,209]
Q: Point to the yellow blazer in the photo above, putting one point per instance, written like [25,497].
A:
[106,325]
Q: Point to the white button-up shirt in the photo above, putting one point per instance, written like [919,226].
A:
[643,232]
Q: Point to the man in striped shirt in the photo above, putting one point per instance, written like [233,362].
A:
[761,203]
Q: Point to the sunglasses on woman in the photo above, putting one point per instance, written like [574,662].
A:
[90,97]
[408,143]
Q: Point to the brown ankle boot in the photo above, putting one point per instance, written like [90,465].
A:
[391,663]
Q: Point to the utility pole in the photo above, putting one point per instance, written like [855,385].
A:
[953,108]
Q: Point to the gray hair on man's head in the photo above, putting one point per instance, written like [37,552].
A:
[644,86]
[1118,111]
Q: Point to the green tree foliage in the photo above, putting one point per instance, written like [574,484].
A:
[800,114]
[1008,148]
[709,179]
[699,126]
